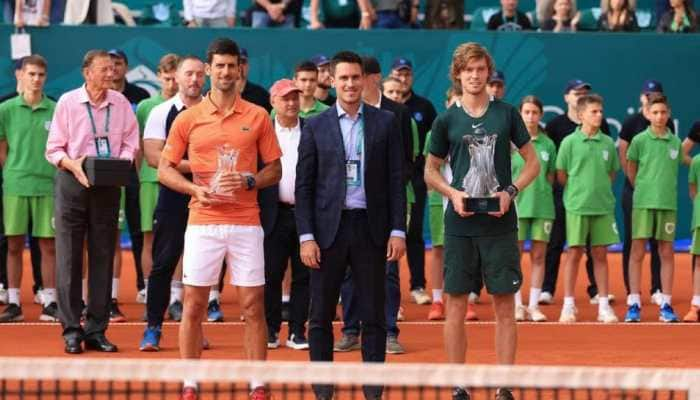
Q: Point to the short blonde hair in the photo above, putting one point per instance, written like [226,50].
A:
[465,53]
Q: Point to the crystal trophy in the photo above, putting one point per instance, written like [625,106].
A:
[226,165]
[480,183]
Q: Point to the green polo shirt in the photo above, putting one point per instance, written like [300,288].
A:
[434,197]
[658,159]
[588,163]
[694,178]
[449,130]
[536,201]
[313,111]
[147,174]
[26,171]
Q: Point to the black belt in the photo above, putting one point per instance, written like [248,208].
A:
[355,211]
[286,206]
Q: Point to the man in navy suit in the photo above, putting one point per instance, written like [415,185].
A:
[350,211]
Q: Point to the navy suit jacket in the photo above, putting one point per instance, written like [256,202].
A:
[321,185]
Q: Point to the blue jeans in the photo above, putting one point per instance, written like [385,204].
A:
[351,305]
[261,19]
[390,20]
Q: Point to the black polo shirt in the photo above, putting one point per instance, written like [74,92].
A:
[135,94]
[694,133]
[637,123]
[423,112]
[561,126]
[257,95]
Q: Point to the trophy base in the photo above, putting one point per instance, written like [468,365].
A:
[482,205]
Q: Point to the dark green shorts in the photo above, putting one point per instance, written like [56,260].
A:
[495,258]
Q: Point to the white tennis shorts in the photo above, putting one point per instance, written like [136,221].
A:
[207,246]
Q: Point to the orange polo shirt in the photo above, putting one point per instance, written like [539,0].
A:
[200,131]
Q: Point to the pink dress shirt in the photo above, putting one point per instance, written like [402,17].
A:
[71,133]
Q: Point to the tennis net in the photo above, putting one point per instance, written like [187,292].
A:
[67,378]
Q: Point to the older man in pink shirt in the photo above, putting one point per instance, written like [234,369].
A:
[96,121]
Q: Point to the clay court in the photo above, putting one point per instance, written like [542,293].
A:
[648,344]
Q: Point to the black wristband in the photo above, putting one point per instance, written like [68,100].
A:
[512,191]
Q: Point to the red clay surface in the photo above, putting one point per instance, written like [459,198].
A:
[643,345]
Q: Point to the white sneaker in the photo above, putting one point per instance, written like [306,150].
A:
[568,315]
[611,299]
[38,297]
[520,312]
[546,298]
[607,316]
[535,315]
[399,314]
[420,296]
[473,298]
[657,298]
[3,295]
[141,296]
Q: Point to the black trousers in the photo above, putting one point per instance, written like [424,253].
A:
[281,245]
[132,209]
[556,246]
[655,265]
[353,247]
[79,211]
[169,227]
[415,245]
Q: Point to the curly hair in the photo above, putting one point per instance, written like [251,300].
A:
[463,54]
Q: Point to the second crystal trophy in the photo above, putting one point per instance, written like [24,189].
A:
[480,183]
[226,165]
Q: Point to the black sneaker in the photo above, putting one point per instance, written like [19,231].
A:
[12,313]
[83,312]
[115,315]
[175,311]
[504,394]
[297,342]
[273,340]
[49,313]
[286,311]
[460,393]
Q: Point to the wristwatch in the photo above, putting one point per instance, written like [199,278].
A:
[250,182]
[512,191]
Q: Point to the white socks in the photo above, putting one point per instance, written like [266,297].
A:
[634,298]
[534,298]
[437,295]
[285,298]
[603,303]
[518,299]
[667,299]
[569,301]
[695,301]
[49,296]
[115,288]
[214,295]
[13,296]
[190,383]
[175,291]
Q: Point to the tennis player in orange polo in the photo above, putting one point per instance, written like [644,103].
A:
[224,221]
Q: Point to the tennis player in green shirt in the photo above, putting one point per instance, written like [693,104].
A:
[148,191]
[653,159]
[28,196]
[586,167]
[693,314]
[535,206]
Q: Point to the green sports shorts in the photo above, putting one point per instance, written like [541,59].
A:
[495,258]
[437,225]
[695,246]
[539,229]
[602,229]
[148,198]
[18,211]
[657,224]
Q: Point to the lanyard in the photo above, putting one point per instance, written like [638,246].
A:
[92,119]
[357,139]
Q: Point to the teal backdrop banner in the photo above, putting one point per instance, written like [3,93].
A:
[534,63]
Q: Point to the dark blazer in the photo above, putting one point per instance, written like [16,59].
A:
[320,182]
[269,197]
[403,116]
